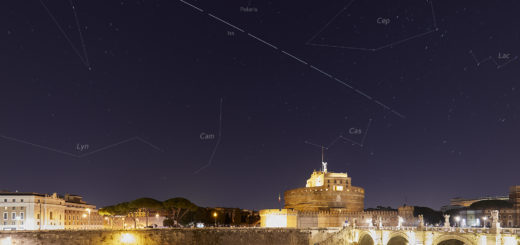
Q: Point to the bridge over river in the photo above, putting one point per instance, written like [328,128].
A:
[424,235]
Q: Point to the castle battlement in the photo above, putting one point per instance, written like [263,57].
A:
[326,191]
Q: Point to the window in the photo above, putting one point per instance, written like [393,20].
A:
[38,216]
[14,200]
[21,215]
[50,215]
[5,215]
[13,215]
[14,208]
[5,200]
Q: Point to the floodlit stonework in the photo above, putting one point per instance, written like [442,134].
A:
[330,200]
[326,191]
[34,211]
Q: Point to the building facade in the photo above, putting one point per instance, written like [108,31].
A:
[326,191]
[480,213]
[35,211]
[330,200]
[80,215]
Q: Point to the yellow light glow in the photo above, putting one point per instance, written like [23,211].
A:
[157,216]
[127,238]
[6,241]
[215,214]
[84,215]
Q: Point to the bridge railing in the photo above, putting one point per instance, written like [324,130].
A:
[514,231]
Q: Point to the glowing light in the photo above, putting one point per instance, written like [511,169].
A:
[215,214]
[157,216]
[483,240]
[457,218]
[6,241]
[510,241]
[84,215]
[276,220]
[127,238]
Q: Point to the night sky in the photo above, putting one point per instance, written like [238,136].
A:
[224,102]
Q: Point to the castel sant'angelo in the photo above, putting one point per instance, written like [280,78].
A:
[328,200]
[326,191]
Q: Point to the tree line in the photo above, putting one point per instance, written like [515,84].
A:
[178,211]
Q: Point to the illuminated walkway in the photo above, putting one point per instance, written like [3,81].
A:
[422,235]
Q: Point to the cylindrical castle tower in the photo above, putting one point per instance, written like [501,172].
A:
[326,191]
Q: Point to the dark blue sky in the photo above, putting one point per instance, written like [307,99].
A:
[135,83]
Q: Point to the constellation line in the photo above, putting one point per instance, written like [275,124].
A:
[85,154]
[210,161]
[330,21]
[333,142]
[490,58]
[310,41]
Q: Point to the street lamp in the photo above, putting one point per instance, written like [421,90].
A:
[215,216]
[484,221]
[457,219]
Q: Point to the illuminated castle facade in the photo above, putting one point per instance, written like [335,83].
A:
[329,200]
[326,191]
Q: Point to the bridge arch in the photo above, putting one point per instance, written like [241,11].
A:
[453,240]
[398,238]
[365,238]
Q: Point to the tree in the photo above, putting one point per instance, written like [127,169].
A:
[178,207]
[123,208]
[146,204]
[430,216]
[110,211]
